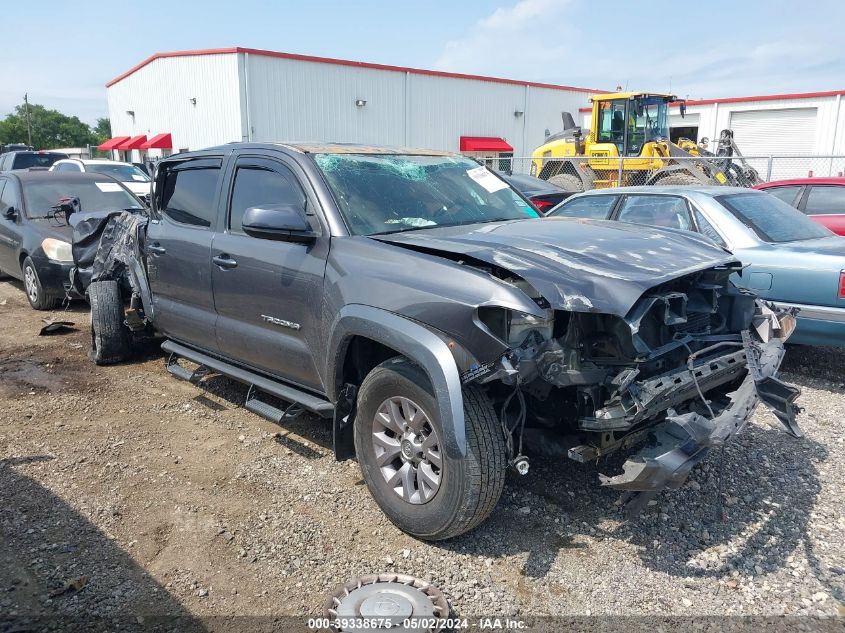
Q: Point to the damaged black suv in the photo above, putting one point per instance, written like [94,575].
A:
[425,307]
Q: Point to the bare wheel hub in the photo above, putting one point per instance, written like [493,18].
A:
[407,450]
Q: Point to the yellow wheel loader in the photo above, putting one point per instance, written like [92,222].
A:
[628,144]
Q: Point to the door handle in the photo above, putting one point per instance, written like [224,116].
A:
[156,249]
[224,261]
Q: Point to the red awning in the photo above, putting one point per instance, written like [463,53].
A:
[484,144]
[133,143]
[112,143]
[159,141]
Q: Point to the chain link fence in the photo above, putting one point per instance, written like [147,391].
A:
[580,173]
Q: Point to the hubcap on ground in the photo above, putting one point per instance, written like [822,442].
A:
[31,284]
[407,450]
[377,599]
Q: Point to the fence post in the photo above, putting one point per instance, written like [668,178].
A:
[619,173]
[769,168]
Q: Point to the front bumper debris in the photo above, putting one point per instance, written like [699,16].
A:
[682,441]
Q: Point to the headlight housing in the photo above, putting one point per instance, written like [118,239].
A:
[512,326]
[57,250]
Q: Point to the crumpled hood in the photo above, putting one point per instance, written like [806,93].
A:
[579,265]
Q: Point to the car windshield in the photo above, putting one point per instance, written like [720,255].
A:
[42,197]
[771,219]
[123,173]
[392,193]
[25,161]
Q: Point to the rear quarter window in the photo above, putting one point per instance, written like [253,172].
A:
[788,194]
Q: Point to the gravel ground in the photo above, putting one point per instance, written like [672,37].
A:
[125,491]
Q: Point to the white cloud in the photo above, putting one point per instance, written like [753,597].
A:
[511,39]
[568,42]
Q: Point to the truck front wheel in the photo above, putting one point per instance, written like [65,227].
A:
[109,336]
[399,444]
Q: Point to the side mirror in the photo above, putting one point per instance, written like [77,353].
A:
[10,213]
[283,222]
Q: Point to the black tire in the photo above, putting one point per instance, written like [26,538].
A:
[678,178]
[39,298]
[568,182]
[469,487]
[109,336]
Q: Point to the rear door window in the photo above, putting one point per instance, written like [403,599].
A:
[663,211]
[825,200]
[788,194]
[589,207]
[257,186]
[188,192]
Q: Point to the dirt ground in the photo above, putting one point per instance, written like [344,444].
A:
[127,492]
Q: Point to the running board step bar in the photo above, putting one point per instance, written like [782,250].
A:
[183,373]
[268,411]
[256,381]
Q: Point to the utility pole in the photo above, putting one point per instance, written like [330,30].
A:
[28,121]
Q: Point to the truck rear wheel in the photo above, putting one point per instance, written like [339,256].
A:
[568,182]
[109,336]
[399,444]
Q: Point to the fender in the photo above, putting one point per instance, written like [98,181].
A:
[421,346]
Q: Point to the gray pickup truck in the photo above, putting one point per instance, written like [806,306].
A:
[445,327]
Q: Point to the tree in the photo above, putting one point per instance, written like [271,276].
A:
[101,131]
[50,128]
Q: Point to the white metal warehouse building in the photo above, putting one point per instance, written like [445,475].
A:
[193,99]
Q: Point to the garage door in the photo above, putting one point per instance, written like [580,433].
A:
[690,120]
[764,132]
[789,131]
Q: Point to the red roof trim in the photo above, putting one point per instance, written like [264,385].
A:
[344,62]
[113,142]
[159,141]
[792,95]
[484,144]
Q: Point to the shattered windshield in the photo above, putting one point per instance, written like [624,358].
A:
[391,193]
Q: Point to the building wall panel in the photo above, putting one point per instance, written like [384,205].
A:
[160,95]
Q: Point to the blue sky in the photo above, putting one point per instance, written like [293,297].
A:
[62,53]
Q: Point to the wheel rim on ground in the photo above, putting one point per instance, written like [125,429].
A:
[407,450]
[30,281]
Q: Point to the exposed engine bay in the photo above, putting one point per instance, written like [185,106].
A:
[681,372]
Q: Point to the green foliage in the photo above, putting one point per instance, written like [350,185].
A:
[51,128]
[102,131]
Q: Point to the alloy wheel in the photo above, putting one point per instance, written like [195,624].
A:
[30,282]
[407,450]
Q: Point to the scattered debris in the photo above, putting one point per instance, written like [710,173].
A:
[52,326]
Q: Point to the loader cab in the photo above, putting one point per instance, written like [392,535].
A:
[630,121]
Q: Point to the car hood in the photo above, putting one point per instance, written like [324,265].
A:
[578,265]
[50,227]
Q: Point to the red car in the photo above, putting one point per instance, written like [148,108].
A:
[823,199]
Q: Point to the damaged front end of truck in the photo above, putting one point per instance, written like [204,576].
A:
[680,373]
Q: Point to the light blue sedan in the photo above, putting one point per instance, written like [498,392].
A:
[790,260]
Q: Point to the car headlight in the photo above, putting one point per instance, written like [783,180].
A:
[57,250]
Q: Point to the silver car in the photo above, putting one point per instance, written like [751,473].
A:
[789,259]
